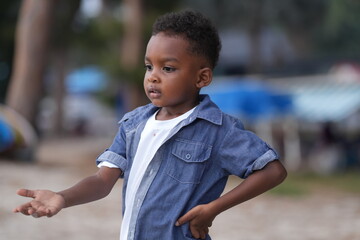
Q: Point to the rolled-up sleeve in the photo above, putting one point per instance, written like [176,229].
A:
[116,153]
[243,152]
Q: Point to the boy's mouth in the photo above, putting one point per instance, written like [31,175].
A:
[153,92]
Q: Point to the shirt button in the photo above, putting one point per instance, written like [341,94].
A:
[188,156]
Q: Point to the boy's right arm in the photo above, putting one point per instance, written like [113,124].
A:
[48,203]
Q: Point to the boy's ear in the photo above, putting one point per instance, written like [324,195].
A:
[204,77]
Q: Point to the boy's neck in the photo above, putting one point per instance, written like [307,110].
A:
[166,113]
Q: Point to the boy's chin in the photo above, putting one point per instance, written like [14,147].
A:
[156,103]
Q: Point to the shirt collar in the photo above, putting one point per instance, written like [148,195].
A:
[208,110]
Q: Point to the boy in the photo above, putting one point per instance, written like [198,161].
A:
[174,154]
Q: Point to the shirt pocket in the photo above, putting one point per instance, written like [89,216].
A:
[188,160]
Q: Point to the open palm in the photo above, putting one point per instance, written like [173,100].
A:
[44,203]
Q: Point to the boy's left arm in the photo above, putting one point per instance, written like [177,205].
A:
[200,217]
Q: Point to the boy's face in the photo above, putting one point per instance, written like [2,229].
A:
[173,75]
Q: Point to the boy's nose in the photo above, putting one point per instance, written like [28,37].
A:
[153,77]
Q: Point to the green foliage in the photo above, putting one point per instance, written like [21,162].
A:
[64,16]
[300,184]
[299,14]
[8,17]
[160,6]
[341,31]
[97,41]
[290,187]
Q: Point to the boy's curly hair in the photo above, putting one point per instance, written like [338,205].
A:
[198,30]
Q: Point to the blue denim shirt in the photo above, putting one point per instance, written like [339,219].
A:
[190,168]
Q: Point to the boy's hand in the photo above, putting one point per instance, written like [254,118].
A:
[44,203]
[200,219]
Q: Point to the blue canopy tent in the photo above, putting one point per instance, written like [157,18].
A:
[249,99]
[321,98]
[257,102]
[322,102]
[89,79]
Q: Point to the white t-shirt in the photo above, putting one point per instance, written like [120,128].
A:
[152,137]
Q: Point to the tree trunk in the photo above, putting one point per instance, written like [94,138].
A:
[63,19]
[132,40]
[31,48]
[131,47]
[59,90]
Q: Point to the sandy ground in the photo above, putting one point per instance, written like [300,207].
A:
[320,215]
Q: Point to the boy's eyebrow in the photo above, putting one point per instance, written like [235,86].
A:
[165,59]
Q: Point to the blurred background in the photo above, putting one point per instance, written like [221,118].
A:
[289,69]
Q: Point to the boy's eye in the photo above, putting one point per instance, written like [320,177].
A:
[168,69]
[148,67]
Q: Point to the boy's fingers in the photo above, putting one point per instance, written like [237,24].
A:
[185,218]
[204,233]
[43,211]
[23,208]
[26,193]
[49,213]
[25,211]
[31,210]
[35,215]
[199,233]
[39,213]
[52,211]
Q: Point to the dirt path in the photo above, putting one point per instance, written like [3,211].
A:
[318,216]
